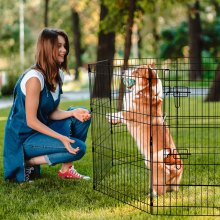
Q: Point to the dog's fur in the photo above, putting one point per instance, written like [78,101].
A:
[144,119]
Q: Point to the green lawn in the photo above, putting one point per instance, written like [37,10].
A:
[52,198]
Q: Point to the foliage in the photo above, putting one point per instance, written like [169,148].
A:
[116,9]
[159,23]
[174,40]
[9,87]
[59,17]
[10,38]
[12,76]
[9,34]
[211,37]
[207,66]
[88,11]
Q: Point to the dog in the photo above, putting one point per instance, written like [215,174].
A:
[142,113]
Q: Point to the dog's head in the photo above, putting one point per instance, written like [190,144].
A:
[142,79]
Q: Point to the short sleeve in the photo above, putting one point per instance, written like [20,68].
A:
[30,74]
[61,75]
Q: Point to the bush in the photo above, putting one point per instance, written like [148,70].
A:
[9,87]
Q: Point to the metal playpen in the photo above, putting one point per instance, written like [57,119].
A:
[125,171]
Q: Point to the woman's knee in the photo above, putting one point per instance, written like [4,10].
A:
[82,148]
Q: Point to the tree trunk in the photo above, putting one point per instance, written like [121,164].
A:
[217,7]
[127,48]
[195,43]
[46,11]
[214,91]
[76,41]
[139,43]
[106,41]
[106,51]
[129,26]
[156,36]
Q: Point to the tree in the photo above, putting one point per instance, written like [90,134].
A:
[76,41]
[195,42]
[46,11]
[105,51]
[106,39]
[173,40]
[214,91]
[128,33]
[127,48]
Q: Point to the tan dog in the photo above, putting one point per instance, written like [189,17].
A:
[144,119]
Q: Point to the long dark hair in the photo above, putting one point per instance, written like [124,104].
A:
[46,52]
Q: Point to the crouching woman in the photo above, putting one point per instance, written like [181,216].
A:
[37,132]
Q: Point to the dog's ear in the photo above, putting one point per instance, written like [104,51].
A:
[152,74]
[153,67]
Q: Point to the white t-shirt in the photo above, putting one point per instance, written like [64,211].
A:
[38,75]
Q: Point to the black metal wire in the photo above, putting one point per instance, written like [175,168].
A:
[119,168]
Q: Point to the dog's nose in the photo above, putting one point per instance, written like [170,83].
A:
[123,72]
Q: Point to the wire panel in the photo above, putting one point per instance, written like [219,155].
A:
[155,134]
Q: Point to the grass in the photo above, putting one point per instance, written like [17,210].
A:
[126,178]
[52,198]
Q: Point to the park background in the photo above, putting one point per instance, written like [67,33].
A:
[98,30]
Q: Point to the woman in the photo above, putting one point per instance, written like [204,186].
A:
[37,131]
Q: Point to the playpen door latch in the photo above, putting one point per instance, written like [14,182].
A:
[178,92]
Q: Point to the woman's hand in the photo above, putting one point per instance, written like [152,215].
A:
[81,114]
[67,143]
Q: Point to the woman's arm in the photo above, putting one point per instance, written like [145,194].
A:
[31,106]
[79,113]
[58,114]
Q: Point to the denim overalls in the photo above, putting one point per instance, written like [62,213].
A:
[21,142]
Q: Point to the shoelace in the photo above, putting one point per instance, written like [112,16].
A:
[74,172]
[28,171]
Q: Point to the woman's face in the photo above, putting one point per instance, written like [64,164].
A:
[61,49]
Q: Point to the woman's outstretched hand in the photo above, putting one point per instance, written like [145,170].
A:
[81,114]
[67,143]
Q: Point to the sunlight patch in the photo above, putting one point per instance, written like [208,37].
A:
[3,118]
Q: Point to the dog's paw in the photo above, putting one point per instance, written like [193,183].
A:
[113,118]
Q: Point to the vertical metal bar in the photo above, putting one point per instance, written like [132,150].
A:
[151,145]
[177,110]
[110,102]
[92,135]
[177,106]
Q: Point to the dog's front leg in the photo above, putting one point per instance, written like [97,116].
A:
[115,118]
